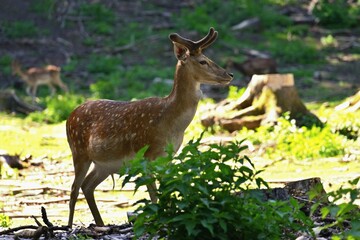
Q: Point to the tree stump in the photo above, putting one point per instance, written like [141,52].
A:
[351,104]
[9,102]
[266,98]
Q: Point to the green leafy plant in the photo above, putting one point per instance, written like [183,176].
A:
[20,29]
[5,63]
[103,64]
[296,143]
[101,18]
[342,210]
[43,7]
[205,194]
[4,220]
[235,93]
[135,82]
[337,13]
[58,108]
[293,51]
[212,12]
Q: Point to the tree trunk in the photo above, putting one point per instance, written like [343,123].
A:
[266,98]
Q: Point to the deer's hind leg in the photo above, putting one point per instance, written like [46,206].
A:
[92,180]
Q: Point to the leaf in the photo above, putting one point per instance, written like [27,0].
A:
[141,153]
[153,207]
[245,169]
[345,208]
[324,212]
[225,169]
[190,226]
[182,205]
[223,225]
[205,201]
[182,217]
[126,180]
[202,189]
[260,181]
[206,224]
[139,225]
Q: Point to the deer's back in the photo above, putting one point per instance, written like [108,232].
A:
[106,129]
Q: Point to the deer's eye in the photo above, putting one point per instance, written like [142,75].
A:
[203,62]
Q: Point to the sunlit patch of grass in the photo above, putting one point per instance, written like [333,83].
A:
[25,137]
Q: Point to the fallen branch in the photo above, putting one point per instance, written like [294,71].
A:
[9,102]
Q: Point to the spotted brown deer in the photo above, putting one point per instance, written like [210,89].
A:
[109,133]
[33,77]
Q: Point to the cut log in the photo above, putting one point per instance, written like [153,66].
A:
[266,98]
[9,102]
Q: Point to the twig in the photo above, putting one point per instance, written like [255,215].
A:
[36,221]
[11,230]
[37,202]
[45,218]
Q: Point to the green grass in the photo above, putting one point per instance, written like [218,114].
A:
[25,137]
[101,19]
[20,29]
[43,7]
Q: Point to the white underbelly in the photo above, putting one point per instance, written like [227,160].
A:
[112,165]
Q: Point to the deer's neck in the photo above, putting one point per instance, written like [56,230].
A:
[23,75]
[185,96]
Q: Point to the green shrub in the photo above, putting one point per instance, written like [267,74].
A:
[344,123]
[235,93]
[43,7]
[101,18]
[5,63]
[198,193]
[337,13]
[342,211]
[103,64]
[286,140]
[293,51]
[108,86]
[130,33]
[212,12]
[134,82]
[58,108]
[4,220]
[20,29]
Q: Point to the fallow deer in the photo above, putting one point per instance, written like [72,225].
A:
[33,77]
[109,133]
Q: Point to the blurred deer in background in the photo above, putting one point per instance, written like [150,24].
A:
[33,77]
[109,133]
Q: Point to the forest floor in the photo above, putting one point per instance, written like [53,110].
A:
[47,179]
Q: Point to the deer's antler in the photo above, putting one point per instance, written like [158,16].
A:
[198,46]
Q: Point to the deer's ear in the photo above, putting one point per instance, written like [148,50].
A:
[181,52]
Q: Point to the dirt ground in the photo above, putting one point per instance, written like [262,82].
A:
[24,196]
